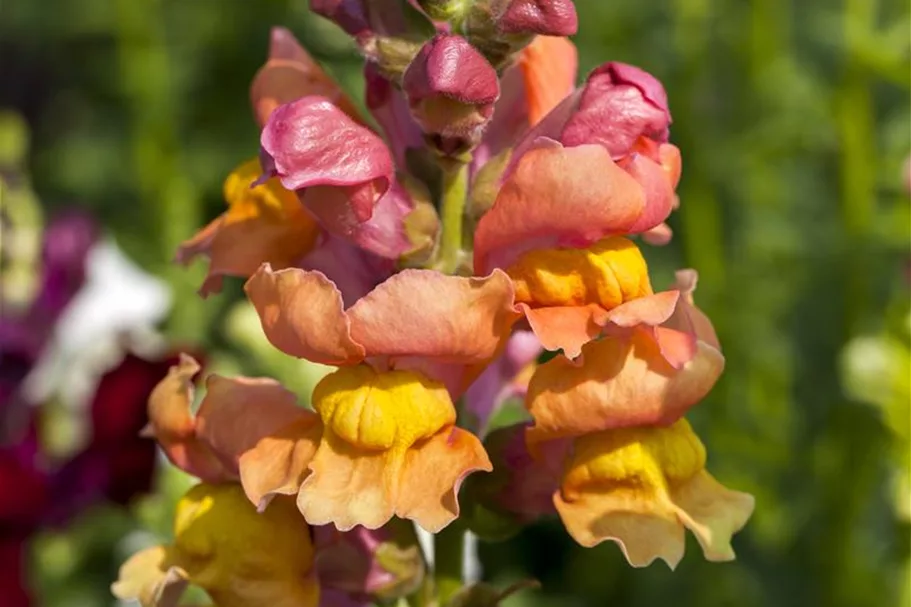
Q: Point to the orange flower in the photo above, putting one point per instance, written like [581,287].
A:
[658,358]
[407,350]
[238,556]
[265,223]
[640,487]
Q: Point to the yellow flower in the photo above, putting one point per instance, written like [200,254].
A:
[389,447]
[640,487]
[221,544]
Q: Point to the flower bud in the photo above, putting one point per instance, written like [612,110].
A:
[384,564]
[444,10]
[545,17]
[452,90]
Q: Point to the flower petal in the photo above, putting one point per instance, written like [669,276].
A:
[620,383]
[263,224]
[644,531]
[434,470]
[428,314]
[257,428]
[551,199]
[302,315]
[151,577]
[311,142]
[349,485]
[549,17]
[289,74]
[549,65]
[565,328]
[713,513]
[173,426]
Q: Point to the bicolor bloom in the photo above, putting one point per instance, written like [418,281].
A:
[658,357]
[265,558]
[641,487]
[389,443]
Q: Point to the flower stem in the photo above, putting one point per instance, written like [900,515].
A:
[455,191]
[448,546]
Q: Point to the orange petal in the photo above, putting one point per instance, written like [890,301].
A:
[620,383]
[152,577]
[551,199]
[350,485]
[263,224]
[566,328]
[289,74]
[644,531]
[426,313]
[434,470]
[713,513]
[640,487]
[303,315]
[549,66]
[256,427]
[173,426]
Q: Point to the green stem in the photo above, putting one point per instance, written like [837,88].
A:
[448,546]
[455,192]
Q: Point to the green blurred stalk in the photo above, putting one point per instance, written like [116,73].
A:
[166,197]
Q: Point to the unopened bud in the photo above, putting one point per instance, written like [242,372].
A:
[501,28]
[451,89]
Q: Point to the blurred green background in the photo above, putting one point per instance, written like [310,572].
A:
[794,122]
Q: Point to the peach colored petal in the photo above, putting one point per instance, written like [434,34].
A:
[279,462]
[433,472]
[550,199]
[428,314]
[173,426]
[690,317]
[257,428]
[151,577]
[302,315]
[263,224]
[652,310]
[643,531]
[349,485]
[713,513]
[620,383]
[659,195]
[566,328]
[549,66]
[289,74]
[671,162]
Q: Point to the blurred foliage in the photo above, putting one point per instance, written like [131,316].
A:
[794,120]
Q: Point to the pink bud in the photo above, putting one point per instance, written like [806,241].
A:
[310,143]
[546,17]
[451,89]
[619,104]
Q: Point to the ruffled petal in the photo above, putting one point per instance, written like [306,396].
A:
[433,472]
[349,485]
[620,383]
[257,428]
[151,577]
[640,487]
[173,426]
[302,315]
[263,224]
[289,74]
[428,314]
[565,328]
[550,199]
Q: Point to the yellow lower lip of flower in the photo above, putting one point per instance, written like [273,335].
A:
[649,459]
[382,410]
[608,273]
[221,540]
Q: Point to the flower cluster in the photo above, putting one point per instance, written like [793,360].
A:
[490,217]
